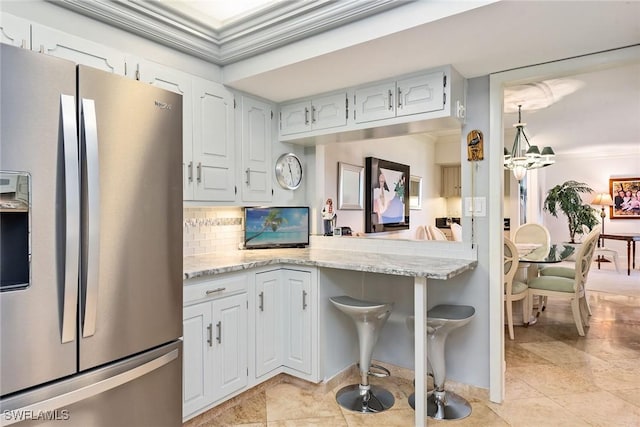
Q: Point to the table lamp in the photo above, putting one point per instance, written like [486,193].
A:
[602,199]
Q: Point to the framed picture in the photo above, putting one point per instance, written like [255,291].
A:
[415,193]
[625,193]
[386,196]
[350,187]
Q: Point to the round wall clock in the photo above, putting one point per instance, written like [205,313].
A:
[289,171]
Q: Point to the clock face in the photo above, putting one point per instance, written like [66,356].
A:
[289,171]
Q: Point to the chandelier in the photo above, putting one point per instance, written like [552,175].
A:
[524,156]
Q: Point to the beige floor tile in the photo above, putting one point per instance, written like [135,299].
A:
[621,376]
[553,380]
[286,402]
[601,408]
[517,389]
[337,421]
[397,418]
[518,356]
[536,412]
[610,349]
[632,395]
[557,352]
[481,415]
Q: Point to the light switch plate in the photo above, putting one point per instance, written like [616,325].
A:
[475,206]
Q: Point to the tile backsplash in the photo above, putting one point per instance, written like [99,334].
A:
[212,229]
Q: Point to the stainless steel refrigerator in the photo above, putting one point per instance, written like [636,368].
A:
[91,246]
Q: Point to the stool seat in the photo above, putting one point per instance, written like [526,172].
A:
[369,318]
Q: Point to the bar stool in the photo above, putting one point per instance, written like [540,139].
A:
[442,319]
[369,318]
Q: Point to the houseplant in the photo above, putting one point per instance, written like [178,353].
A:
[566,198]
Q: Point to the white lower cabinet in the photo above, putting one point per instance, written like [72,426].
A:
[283,321]
[297,332]
[218,332]
[215,346]
[269,319]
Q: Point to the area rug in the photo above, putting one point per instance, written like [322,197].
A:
[608,280]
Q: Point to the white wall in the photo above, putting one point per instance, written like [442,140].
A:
[595,171]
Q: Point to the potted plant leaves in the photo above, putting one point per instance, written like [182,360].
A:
[566,198]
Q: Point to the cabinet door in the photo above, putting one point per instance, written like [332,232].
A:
[450,181]
[256,150]
[295,118]
[268,322]
[213,142]
[420,94]
[329,111]
[178,82]
[297,323]
[230,368]
[77,49]
[375,102]
[196,379]
[15,31]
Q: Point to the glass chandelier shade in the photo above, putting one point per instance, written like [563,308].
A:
[524,156]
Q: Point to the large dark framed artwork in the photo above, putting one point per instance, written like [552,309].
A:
[625,193]
[386,196]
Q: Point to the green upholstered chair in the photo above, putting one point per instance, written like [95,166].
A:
[513,290]
[564,286]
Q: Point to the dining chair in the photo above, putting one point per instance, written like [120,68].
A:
[534,233]
[602,252]
[456,231]
[436,234]
[514,290]
[569,288]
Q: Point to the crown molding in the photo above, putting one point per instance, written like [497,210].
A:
[267,29]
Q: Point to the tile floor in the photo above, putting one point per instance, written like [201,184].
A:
[554,378]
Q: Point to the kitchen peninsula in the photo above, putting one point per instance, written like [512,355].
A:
[331,263]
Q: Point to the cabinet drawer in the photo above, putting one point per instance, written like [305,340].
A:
[214,288]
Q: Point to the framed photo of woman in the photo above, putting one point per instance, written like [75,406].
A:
[625,193]
[387,196]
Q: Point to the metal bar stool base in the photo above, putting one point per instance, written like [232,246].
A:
[350,398]
[453,407]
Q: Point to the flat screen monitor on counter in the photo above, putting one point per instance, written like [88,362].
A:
[276,227]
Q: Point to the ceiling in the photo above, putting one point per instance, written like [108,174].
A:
[286,50]
[292,49]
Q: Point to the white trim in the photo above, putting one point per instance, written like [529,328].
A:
[497,82]
[272,27]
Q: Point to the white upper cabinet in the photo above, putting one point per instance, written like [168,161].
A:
[213,142]
[178,82]
[256,167]
[15,31]
[77,49]
[321,112]
[413,95]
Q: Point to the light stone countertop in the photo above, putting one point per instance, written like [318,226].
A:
[399,265]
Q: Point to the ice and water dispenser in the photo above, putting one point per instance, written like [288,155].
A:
[14,230]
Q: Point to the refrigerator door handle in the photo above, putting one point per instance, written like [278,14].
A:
[72,201]
[83,393]
[90,134]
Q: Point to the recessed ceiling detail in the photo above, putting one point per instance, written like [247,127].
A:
[268,27]
[534,96]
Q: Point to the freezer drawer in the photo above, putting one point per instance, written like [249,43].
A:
[144,390]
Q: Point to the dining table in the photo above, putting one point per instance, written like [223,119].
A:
[631,239]
[531,255]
